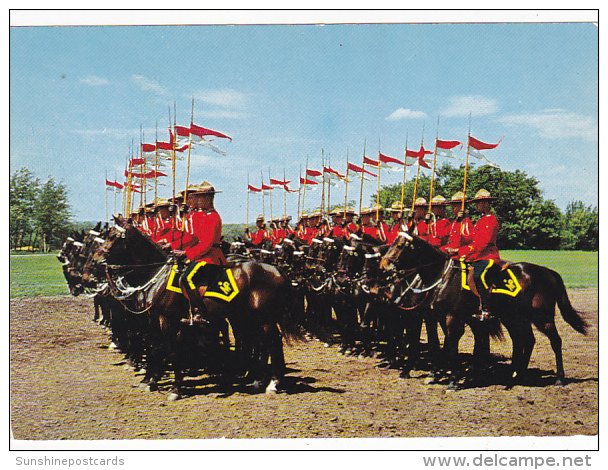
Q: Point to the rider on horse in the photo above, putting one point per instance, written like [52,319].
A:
[337,228]
[377,218]
[261,234]
[201,244]
[461,229]
[439,228]
[482,252]
[398,222]
[416,225]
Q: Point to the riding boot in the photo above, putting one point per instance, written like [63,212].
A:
[484,297]
[198,311]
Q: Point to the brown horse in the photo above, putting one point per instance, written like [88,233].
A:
[144,278]
[533,294]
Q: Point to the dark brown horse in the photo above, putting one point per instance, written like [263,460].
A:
[530,299]
[144,278]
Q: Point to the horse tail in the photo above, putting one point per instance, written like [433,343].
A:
[569,314]
[291,312]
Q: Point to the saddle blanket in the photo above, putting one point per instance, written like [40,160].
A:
[503,281]
[221,280]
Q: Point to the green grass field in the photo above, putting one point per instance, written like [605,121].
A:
[42,274]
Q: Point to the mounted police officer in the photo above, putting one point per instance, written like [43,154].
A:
[461,229]
[417,225]
[439,228]
[261,233]
[482,252]
[202,244]
[399,225]
[162,220]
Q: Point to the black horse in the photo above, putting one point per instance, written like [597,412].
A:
[145,279]
[522,295]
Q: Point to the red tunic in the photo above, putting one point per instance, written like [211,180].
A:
[392,234]
[162,227]
[419,228]
[205,231]
[259,237]
[338,231]
[278,235]
[371,230]
[439,232]
[483,245]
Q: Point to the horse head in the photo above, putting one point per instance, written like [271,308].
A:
[395,252]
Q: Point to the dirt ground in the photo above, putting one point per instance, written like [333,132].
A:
[67,384]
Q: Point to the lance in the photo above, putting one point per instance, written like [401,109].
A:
[175,215]
[363,168]
[247,225]
[434,165]
[323,182]
[378,191]
[284,194]
[270,193]
[305,180]
[156,163]
[106,188]
[466,168]
[329,177]
[263,204]
[346,184]
[130,179]
[189,149]
[299,191]
[418,172]
[404,168]
[142,181]
[124,193]
[115,188]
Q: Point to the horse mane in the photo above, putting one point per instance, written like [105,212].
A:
[432,250]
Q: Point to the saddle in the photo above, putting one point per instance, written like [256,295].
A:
[219,280]
[504,281]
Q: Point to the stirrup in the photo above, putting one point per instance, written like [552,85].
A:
[483,315]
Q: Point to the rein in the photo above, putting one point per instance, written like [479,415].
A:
[127,292]
[446,269]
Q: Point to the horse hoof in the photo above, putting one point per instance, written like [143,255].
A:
[272,387]
[452,386]
[173,396]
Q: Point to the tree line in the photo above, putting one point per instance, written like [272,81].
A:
[39,212]
[527,220]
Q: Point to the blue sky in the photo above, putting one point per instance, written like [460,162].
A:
[285,93]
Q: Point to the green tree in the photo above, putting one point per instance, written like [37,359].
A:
[52,213]
[23,189]
[527,221]
[580,228]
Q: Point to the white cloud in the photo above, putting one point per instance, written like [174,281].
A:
[556,124]
[474,105]
[147,84]
[402,113]
[227,98]
[92,80]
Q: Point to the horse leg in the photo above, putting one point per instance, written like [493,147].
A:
[277,357]
[448,361]
[551,332]
[432,336]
